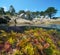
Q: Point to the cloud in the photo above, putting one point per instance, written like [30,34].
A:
[26,9]
[5,8]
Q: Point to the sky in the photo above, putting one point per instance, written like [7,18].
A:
[32,5]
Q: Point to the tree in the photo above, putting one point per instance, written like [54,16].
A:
[21,11]
[7,13]
[51,11]
[29,17]
[42,13]
[37,13]
[12,10]
[2,12]
[33,14]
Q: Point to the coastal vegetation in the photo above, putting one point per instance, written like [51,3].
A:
[42,17]
[36,41]
[50,12]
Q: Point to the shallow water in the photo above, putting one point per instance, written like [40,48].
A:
[22,28]
[57,26]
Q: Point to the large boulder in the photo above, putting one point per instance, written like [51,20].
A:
[23,21]
[4,20]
